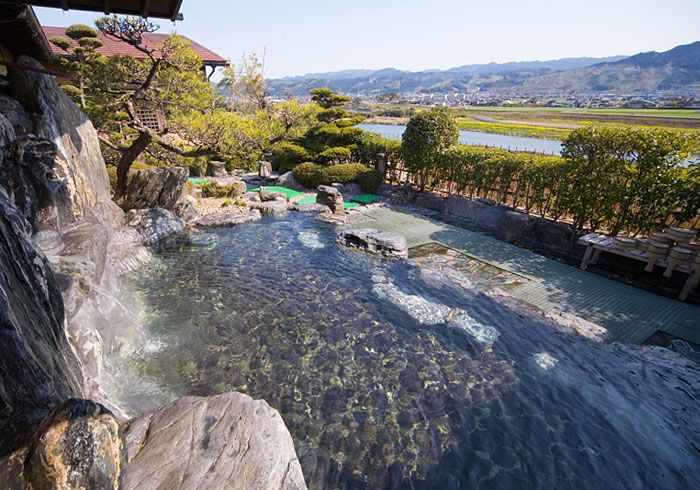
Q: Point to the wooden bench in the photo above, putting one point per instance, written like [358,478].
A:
[596,243]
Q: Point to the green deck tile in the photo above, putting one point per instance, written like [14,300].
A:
[629,314]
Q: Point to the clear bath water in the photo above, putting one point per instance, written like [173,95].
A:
[389,375]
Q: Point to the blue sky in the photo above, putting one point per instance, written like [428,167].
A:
[305,36]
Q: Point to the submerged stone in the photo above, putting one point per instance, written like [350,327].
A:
[386,243]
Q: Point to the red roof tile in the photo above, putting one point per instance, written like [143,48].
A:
[113,47]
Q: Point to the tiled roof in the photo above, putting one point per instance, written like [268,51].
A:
[113,47]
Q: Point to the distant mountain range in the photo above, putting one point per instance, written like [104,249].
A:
[673,72]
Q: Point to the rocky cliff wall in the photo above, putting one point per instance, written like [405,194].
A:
[54,174]
[63,245]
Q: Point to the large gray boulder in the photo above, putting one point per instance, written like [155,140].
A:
[59,181]
[186,208]
[387,243]
[266,195]
[225,441]
[270,207]
[288,180]
[154,225]
[330,197]
[155,188]
[216,169]
[311,207]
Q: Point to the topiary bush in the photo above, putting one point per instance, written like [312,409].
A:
[312,175]
[334,154]
[288,155]
[369,180]
[309,174]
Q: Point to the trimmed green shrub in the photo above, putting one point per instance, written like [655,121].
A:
[428,136]
[312,175]
[335,154]
[369,145]
[369,180]
[80,31]
[288,155]
[309,175]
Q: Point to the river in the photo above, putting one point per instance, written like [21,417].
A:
[551,147]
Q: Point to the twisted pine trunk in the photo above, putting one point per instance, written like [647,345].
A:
[129,155]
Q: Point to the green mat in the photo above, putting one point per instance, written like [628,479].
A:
[290,193]
[307,199]
[196,181]
[366,198]
[251,188]
[312,199]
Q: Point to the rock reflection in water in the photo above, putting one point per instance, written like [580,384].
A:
[385,379]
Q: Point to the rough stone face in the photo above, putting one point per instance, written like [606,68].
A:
[386,243]
[155,188]
[29,174]
[266,195]
[264,169]
[7,133]
[287,180]
[15,113]
[185,208]
[251,196]
[79,161]
[125,251]
[225,441]
[331,197]
[429,201]
[484,215]
[553,235]
[77,446]
[154,224]
[228,218]
[60,181]
[514,227]
[270,207]
[216,169]
[37,366]
[311,207]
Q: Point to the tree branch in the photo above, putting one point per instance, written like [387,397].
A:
[111,145]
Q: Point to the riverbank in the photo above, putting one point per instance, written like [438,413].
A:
[478,138]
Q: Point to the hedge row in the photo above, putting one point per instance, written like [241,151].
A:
[617,179]
[312,175]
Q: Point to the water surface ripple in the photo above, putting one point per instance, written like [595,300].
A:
[387,380]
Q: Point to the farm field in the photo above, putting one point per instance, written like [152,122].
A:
[551,123]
